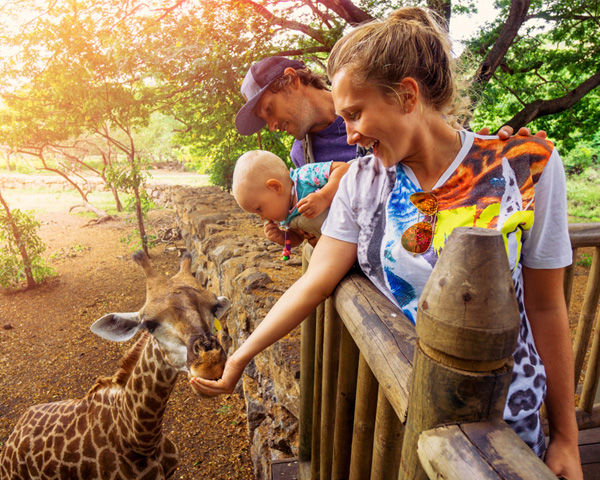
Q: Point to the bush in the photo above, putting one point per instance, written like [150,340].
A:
[12,265]
[584,156]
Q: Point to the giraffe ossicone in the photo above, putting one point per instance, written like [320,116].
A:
[115,431]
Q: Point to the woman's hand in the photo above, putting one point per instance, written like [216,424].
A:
[563,459]
[312,205]
[273,233]
[226,384]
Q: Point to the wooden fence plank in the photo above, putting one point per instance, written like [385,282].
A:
[444,452]
[387,442]
[307,367]
[483,451]
[331,357]
[344,412]
[364,422]
[317,393]
[383,334]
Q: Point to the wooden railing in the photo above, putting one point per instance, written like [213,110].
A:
[582,236]
[358,356]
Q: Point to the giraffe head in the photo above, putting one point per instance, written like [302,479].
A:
[180,314]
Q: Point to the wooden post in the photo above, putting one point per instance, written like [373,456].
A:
[307,375]
[344,412]
[331,357]
[467,324]
[317,396]
[387,444]
[364,422]
[568,280]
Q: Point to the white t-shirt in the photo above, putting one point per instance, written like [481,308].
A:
[516,187]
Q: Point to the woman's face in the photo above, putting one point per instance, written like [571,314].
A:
[372,119]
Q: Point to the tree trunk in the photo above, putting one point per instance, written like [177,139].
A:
[140,217]
[17,234]
[516,17]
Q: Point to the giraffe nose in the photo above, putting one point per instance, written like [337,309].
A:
[206,357]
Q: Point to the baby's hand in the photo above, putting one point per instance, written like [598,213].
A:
[312,205]
[273,233]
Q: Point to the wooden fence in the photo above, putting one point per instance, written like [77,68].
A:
[359,353]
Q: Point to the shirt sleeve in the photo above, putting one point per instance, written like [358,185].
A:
[297,153]
[341,222]
[547,244]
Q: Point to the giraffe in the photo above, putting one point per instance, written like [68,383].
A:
[115,431]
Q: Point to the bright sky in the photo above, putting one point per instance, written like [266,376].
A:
[463,27]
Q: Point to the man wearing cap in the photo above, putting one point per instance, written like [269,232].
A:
[287,96]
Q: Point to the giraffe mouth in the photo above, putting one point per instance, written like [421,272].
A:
[205,358]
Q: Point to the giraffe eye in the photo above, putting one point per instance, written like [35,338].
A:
[150,325]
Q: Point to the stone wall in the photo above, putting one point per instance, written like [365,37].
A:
[233,258]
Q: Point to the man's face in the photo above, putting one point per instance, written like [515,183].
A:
[286,111]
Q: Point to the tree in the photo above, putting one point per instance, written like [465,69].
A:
[73,75]
[18,234]
[536,62]
[544,68]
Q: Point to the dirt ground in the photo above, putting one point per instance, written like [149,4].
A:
[47,352]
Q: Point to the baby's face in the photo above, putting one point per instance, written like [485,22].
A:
[266,203]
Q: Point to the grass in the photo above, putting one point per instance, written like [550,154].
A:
[583,196]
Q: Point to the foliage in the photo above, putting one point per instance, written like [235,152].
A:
[584,155]
[136,239]
[584,196]
[555,52]
[123,75]
[12,266]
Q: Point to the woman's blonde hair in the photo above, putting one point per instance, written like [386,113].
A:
[410,43]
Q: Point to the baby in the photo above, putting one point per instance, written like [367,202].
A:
[294,203]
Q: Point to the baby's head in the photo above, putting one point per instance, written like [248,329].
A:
[262,185]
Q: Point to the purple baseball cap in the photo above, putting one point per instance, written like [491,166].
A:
[256,81]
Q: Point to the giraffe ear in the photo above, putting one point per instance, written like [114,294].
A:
[117,327]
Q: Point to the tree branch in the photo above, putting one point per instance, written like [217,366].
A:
[303,51]
[516,17]
[282,22]
[540,108]
[347,10]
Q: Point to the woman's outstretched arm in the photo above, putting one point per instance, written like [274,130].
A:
[330,261]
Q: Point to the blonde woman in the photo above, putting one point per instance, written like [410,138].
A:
[393,83]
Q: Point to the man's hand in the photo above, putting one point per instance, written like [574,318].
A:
[312,205]
[273,233]
[506,131]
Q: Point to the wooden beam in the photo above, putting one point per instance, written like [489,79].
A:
[479,451]
[468,300]
[364,422]
[384,335]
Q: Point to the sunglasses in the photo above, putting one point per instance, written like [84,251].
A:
[417,238]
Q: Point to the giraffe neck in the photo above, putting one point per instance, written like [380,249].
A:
[144,399]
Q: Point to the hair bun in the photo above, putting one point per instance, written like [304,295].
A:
[414,14]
